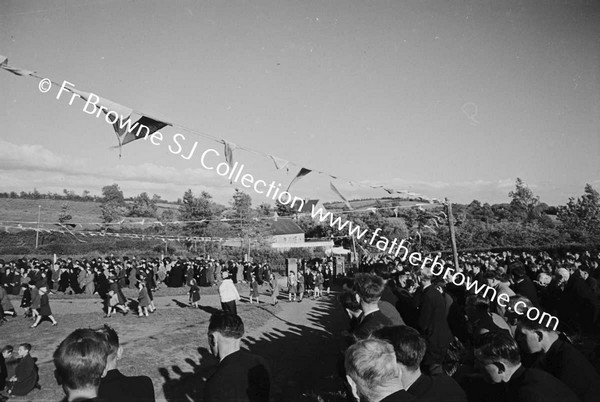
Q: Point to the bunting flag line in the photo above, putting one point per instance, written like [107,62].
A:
[335,190]
[303,172]
[148,126]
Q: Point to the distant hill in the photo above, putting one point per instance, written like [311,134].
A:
[26,210]
[375,202]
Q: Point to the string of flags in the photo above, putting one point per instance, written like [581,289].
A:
[148,126]
[8,228]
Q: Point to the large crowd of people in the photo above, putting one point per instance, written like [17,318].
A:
[465,346]
[412,335]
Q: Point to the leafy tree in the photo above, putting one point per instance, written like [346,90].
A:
[264,209]
[110,212]
[242,204]
[284,209]
[196,209]
[143,206]
[113,203]
[64,216]
[523,201]
[113,194]
[168,215]
[581,217]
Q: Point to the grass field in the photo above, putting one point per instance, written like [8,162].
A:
[170,346]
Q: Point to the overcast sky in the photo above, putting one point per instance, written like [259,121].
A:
[444,98]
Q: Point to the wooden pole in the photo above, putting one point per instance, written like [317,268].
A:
[452,236]
[37,232]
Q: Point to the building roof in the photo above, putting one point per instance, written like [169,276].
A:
[283,226]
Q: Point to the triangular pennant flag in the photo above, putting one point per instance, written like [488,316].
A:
[121,124]
[279,163]
[229,147]
[150,126]
[17,71]
[335,190]
[303,172]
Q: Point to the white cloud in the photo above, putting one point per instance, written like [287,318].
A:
[24,167]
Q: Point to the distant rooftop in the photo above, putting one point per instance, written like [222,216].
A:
[283,226]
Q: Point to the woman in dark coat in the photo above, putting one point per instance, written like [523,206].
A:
[102,285]
[45,311]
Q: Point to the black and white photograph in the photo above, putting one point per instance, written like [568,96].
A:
[312,201]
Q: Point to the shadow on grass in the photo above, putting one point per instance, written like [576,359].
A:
[302,359]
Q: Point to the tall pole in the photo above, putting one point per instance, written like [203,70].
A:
[37,232]
[452,236]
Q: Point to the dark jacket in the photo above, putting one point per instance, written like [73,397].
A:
[118,387]
[527,288]
[533,385]
[399,396]
[433,324]
[437,388]
[567,364]
[370,323]
[27,376]
[240,376]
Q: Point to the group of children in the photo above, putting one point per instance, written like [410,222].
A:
[254,289]
[314,282]
[35,302]
[116,300]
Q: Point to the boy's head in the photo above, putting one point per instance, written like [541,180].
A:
[24,349]
[498,356]
[224,328]
[80,360]
[7,351]
[111,339]
[409,345]
[369,288]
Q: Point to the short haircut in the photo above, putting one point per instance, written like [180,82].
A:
[369,287]
[478,302]
[526,323]
[498,345]
[371,363]
[517,269]
[348,300]
[494,274]
[227,324]
[111,337]
[408,344]
[80,359]
[26,346]
[7,348]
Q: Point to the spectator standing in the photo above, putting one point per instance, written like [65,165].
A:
[228,294]
[240,376]
[114,385]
